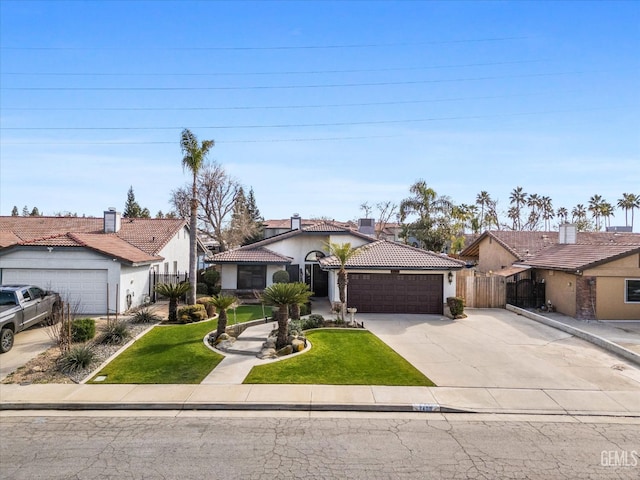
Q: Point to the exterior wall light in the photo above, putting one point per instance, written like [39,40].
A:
[450,277]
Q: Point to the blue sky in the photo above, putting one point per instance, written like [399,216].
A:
[319,106]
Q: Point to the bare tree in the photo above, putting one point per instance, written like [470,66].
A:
[386,211]
[216,193]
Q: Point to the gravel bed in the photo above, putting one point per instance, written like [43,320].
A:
[103,352]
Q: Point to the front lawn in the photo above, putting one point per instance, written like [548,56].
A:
[342,357]
[172,353]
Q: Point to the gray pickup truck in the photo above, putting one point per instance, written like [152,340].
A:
[22,306]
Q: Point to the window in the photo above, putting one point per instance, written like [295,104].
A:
[175,266]
[632,290]
[314,256]
[252,276]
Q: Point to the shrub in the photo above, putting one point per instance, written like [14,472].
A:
[192,313]
[146,316]
[115,333]
[211,277]
[312,321]
[456,305]
[83,329]
[280,276]
[78,358]
[202,289]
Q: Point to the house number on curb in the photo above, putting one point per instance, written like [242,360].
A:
[426,407]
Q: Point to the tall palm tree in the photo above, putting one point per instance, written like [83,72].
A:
[483,199]
[534,203]
[547,212]
[517,198]
[281,295]
[562,214]
[173,291]
[629,201]
[194,155]
[606,210]
[222,303]
[595,207]
[343,252]
[578,213]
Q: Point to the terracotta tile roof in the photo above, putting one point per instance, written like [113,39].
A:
[573,257]
[286,223]
[526,244]
[327,226]
[139,240]
[249,254]
[391,255]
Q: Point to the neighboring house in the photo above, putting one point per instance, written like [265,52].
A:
[271,228]
[384,276]
[586,275]
[99,265]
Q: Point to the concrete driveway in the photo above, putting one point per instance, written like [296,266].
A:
[497,348]
[27,345]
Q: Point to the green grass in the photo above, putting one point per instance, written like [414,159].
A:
[166,354]
[246,313]
[342,357]
[172,353]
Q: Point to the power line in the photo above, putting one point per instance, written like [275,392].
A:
[305,125]
[280,107]
[278,47]
[282,87]
[292,72]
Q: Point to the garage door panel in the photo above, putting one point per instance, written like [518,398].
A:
[388,293]
[82,289]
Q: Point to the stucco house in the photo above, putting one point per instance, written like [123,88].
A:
[99,264]
[586,275]
[383,276]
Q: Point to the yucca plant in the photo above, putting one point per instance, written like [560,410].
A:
[145,315]
[173,291]
[114,333]
[78,358]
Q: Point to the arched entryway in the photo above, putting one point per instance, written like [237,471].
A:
[314,276]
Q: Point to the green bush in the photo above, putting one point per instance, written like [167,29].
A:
[202,288]
[456,305]
[211,277]
[78,358]
[192,313]
[146,316]
[312,321]
[280,276]
[83,329]
[116,332]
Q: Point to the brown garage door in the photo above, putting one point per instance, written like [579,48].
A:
[395,293]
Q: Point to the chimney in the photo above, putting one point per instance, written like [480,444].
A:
[296,222]
[567,234]
[367,226]
[111,221]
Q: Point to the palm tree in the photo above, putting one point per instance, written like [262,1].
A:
[222,303]
[302,297]
[606,210]
[629,201]
[534,201]
[595,207]
[343,252]
[517,198]
[173,291]
[194,155]
[483,199]
[547,212]
[562,214]
[281,295]
[578,213]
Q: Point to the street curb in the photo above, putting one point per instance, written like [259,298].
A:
[589,337]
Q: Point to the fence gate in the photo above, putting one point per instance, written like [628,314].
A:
[156,278]
[524,291]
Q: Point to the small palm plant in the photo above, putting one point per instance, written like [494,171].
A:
[281,295]
[343,252]
[222,303]
[302,297]
[173,291]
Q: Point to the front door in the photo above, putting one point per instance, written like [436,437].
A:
[317,279]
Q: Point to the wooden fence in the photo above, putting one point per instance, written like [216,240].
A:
[481,292]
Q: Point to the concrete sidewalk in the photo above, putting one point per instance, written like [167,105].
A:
[223,390]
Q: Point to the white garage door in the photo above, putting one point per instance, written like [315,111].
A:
[85,290]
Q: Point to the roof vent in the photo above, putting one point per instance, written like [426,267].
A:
[296,222]
[367,226]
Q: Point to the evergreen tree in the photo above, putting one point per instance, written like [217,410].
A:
[25,211]
[159,214]
[14,211]
[131,208]
[256,219]
[34,212]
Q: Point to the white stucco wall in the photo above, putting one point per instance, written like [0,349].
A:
[135,282]
[176,250]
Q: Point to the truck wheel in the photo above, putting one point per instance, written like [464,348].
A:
[6,340]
